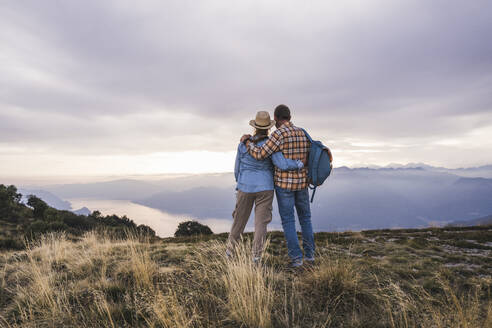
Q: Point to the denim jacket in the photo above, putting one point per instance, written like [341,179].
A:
[253,175]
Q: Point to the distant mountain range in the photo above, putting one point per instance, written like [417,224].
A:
[413,195]
[487,220]
[52,200]
[133,189]
[484,171]
[83,211]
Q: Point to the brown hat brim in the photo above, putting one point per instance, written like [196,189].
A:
[253,124]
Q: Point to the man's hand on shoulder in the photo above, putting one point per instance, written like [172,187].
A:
[245,137]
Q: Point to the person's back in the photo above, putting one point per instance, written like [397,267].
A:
[296,146]
[255,186]
[291,187]
[253,175]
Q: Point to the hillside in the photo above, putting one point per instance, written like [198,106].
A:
[21,223]
[381,278]
[487,220]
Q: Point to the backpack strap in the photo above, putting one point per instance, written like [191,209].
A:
[312,195]
[307,135]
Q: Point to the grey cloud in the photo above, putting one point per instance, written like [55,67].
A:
[390,70]
[136,133]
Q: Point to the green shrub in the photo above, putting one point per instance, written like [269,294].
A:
[190,228]
[10,206]
[49,219]
[38,205]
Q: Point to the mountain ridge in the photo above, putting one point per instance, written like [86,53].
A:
[483,221]
[352,198]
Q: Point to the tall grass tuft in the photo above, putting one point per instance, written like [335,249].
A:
[40,295]
[460,309]
[249,288]
[142,266]
[168,312]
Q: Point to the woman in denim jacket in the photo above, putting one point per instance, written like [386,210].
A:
[255,186]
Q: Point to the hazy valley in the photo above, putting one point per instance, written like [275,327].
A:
[416,195]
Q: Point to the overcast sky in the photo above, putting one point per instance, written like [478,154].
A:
[123,87]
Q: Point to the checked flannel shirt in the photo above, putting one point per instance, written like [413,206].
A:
[292,142]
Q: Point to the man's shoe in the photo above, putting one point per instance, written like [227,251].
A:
[308,263]
[295,265]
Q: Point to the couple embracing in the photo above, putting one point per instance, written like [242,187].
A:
[274,163]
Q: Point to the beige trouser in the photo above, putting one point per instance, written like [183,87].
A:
[263,215]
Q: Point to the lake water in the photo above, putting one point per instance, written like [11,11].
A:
[164,224]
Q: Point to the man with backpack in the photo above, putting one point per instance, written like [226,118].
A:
[291,187]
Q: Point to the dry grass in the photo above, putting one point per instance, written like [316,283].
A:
[102,282]
[242,289]
[168,312]
[249,288]
[140,264]
[461,310]
[61,283]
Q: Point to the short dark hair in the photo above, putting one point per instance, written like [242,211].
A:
[282,112]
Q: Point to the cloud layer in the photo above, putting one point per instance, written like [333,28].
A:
[380,82]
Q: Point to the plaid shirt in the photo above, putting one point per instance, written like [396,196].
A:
[292,142]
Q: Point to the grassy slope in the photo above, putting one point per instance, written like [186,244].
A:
[384,278]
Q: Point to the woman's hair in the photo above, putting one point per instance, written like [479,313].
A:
[260,134]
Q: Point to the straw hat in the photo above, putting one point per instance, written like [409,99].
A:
[262,121]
